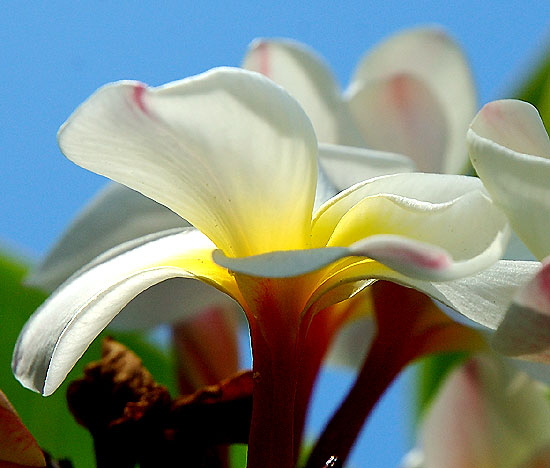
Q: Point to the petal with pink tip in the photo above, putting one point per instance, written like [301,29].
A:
[417,219]
[510,151]
[513,124]
[305,76]
[400,114]
[408,257]
[207,147]
[433,58]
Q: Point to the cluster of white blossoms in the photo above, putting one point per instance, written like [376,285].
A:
[267,187]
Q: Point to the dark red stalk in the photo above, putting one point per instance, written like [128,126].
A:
[409,326]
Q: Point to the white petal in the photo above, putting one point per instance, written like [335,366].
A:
[282,264]
[525,331]
[431,56]
[433,188]
[510,151]
[116,215]
[305,76]
[449,215]
[484,297]
[400,114]
[481,298]
[347,165]
[408,257]
[171,300]
[59,332]
[207,147]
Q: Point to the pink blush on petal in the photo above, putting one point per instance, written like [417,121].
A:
[263,61]
[137,97]
[427,260]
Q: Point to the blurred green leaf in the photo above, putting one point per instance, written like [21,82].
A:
[431,372]
[237,455]
[48,419]
[536,88]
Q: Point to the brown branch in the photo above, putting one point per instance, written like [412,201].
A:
[133,420]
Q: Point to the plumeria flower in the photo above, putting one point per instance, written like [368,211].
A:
[118,214]
[424,55]
[415,83]
[236,156]
[487,414]
[510,150]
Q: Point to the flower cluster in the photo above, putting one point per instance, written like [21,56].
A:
[265,189]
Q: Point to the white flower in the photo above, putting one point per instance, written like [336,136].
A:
[510,149]
[413,94]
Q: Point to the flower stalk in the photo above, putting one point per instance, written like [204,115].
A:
[409,326]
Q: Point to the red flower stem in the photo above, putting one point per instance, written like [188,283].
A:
[316,338]
[341,432]
[284,369]
[409,325]
[288,347]
[272,432]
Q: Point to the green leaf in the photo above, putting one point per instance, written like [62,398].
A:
[237,455]
[536,88]
[48,419]
[431,372]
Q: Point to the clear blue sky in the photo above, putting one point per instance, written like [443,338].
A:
[54,54]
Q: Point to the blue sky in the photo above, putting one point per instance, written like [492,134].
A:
[55,54]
